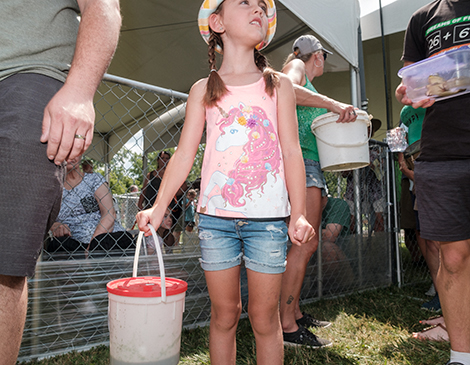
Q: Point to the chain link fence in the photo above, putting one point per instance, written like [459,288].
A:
[135,122]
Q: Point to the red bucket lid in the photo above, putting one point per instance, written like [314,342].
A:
[146,287]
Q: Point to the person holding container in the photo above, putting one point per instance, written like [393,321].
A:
[306,62]
[442,170]
[252,176]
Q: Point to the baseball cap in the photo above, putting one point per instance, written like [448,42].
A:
[307,44]
[210,6]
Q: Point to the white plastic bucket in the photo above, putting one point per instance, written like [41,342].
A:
[145,316]
[342,146]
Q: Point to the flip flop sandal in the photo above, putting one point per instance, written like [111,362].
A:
[433,321]
[434,333]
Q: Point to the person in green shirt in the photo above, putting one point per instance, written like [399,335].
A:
[304,64]
[412,122]
[335,224]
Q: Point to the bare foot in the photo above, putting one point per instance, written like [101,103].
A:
[433,321]
[435,333]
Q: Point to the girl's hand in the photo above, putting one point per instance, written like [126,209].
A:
[300,231]
[152,216]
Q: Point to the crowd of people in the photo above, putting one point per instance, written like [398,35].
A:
[261,185]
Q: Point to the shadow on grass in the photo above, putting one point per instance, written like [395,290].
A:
[416,352]
[396,307]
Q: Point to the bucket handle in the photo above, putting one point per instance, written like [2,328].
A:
[159,255]
[357,144]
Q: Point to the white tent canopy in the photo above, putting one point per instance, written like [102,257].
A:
[336,21]
[160,45]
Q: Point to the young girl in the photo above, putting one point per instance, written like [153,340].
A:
[252,159]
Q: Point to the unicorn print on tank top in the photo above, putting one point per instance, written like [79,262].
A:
[249,178]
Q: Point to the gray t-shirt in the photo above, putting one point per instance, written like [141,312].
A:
[80,209]
[37,36]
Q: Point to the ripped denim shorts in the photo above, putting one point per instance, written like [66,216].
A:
[314,176]
[261,242]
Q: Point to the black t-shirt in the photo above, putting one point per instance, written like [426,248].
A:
[151,190]
[435,28]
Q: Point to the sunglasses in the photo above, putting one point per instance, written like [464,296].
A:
[325,55]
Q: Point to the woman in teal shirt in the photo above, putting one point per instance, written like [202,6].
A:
[302,66]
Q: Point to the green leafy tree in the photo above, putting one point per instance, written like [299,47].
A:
[126,168]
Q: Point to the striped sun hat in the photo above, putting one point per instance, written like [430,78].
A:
[210,6]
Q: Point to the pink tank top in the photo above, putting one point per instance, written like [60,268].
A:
[243,169]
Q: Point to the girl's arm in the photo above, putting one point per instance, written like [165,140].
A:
[300,231]
[180,164]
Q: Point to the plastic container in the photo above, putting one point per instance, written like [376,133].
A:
[396,139]
[440,77]
[342,146]
[145,316]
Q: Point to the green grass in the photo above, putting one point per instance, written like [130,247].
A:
[373,327]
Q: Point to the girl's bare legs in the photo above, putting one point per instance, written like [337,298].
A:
[263,310]
[224,291]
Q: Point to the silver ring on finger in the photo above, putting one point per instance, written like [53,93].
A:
[79,136]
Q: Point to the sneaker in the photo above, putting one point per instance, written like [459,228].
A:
[308,321]
[454,363]
[303,337]
[431,291]
[434,305]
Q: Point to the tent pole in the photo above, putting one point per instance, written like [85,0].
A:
[106,163]
[362,80]
[393,222]
[144,159]
[354,86]
[385,67]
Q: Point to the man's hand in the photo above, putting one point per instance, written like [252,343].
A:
[69,117]
[400,94]
[65,117]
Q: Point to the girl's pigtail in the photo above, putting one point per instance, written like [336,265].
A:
[271,78]
[215,87]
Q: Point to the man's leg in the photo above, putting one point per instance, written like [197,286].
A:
[432,258]
[453,285]
[13,307]
[31,188]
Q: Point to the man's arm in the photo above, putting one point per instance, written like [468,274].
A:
[70,112]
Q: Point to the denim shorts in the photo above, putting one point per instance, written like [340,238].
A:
[314,176]
[261,243]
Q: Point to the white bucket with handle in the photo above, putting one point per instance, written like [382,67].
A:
[342,146]
[145,316]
